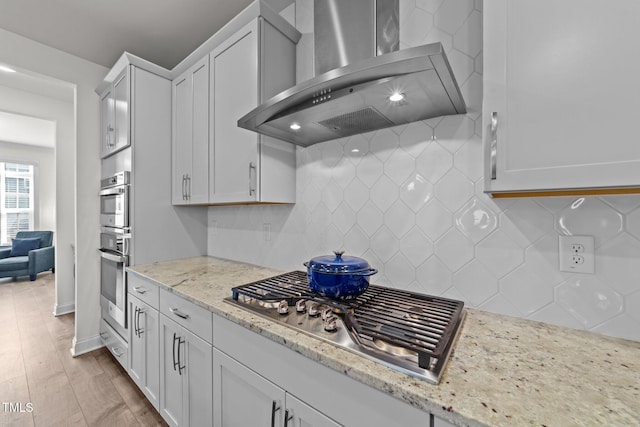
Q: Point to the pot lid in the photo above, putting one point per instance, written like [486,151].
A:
[338,263]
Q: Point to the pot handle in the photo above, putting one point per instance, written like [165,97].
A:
[306,264]
[367,272]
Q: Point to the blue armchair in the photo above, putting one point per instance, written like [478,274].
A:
[36,261]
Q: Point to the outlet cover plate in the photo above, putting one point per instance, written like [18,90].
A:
[577,254]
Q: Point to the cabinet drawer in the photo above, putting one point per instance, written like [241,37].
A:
[194,318]
[115,344]
[144,289]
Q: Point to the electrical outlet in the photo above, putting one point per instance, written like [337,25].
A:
[577,254]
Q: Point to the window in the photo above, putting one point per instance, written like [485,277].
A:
[16,200]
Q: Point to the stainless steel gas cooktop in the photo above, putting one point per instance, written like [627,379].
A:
[409,332]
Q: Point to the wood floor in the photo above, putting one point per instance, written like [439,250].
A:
[41,384]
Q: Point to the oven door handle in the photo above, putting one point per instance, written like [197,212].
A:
[113,257]
[113,191]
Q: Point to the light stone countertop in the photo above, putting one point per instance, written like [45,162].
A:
[504,371]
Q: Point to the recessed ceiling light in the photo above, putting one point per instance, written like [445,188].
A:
[7,69]
[396,97]
[294,126]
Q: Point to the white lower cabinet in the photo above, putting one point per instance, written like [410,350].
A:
[144,346]
[185,376]
[237,388]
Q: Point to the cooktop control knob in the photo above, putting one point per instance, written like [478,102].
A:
[330,323]
[314,309]
[326,313]
[283,307]
[301,306]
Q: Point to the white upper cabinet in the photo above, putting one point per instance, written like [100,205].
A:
[248,68]
[114,105]
[190,139]
[560,96]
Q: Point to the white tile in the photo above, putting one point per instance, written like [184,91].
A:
[462,65]
[633,223]
[499,304]
[471,91]
[434,277]
[589,300]
[618,262]
[468,159]
[343,173]
[356,194]
[416,246]
[454,249]
[543,257]
[434,162]
[415,138]
[356,242]
[332,195]
[479,63]
[466,38]
[454,190]
[454,131]
[399,166]
[332,152]
[416,192]
[622,326]
[434,219]
[499,253]
[369,218]
[369,170]
[452,14]
[437,35]
[526,291]
[344,217]
[399,271]
[633,306]
[476,220]
[430,6]
[399,218]
[384,193]
[384,244]
[453,293]
[415,26]
[383,143]
[525,222]
[622,203]
[356,148]
[590,216]
[476,283]
[554,313]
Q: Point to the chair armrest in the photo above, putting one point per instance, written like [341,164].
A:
[5,251]
[41,259]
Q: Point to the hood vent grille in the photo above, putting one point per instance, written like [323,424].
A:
[356,122]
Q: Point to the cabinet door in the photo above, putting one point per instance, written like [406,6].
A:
[197,373]
[144,346]
[172,386]
[562,94]
[198,181]
[234,82]
[121,111]
[299,414]
[242,397]
[182,142]
[107,130]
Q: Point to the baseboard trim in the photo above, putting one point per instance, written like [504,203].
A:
[86,345]
[62,309]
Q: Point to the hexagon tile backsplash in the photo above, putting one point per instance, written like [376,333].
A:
[409,200]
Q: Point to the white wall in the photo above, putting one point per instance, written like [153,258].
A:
[411,203]
[78,172]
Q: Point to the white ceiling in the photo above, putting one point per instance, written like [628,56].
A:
[161,31]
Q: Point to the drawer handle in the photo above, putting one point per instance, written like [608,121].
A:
[178,313]
[274,408]
[114,350]
[140,290]
[104,335]
[288,416]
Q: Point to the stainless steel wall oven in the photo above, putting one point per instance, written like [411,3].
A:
[115,235]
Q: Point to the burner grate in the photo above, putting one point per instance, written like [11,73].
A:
[420,324]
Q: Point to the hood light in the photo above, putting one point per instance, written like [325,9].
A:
[294,126]
[7,69]
[396,97]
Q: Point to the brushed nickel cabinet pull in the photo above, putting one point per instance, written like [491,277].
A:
[274,408]
[494,143]
[178,313]
[252,167]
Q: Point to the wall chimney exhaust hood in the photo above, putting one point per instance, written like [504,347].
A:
[392,89]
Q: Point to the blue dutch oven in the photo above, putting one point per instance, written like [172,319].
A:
[337,276]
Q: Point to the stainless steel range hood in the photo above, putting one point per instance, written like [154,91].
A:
[355,98]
